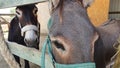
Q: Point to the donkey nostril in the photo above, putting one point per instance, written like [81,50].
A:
[25,40]
[31,41]
[36,40]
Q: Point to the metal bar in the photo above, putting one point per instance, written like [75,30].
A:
[114,12]
[13,3]
[29,54]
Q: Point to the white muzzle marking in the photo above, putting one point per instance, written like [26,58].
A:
[30,35]
[30,28]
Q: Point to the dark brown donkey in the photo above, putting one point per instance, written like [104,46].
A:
[24,28]
[109,32]
[75,39]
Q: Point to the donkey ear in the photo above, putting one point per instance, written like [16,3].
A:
[53,4]
[87,3]
[94,39]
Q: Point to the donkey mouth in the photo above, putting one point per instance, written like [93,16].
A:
[33,45]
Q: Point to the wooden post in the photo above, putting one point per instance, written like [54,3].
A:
[6,53]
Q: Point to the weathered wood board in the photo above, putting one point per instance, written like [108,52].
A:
[12,3]
[29,54]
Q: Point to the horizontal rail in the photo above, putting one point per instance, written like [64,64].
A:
[13,3]
[29,54]
[114,12]
[3,21]
[7,14]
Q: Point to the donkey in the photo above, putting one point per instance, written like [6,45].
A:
[75,39]
[24,28]
[109,32]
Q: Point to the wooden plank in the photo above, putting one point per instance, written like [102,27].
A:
[114,12]
[3,21]
[13,3]
[29,54]
[7,14]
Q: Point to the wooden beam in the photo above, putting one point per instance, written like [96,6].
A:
[7,14]
[114,12]
[29,54]
[13,3]
[6,53]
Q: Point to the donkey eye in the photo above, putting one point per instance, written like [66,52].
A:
[17,12]
[58,45]
[35,11]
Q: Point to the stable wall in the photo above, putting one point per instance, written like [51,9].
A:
[98,11]
[114,11]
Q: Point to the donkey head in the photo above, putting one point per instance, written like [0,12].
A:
[28,23]
[72,34]
[54,3]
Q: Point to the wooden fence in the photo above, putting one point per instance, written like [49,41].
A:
[27,53]
[30,54]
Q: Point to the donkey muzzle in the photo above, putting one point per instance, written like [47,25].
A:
[30,34]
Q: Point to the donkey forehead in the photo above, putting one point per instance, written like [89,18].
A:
[75,23]
[85,3]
